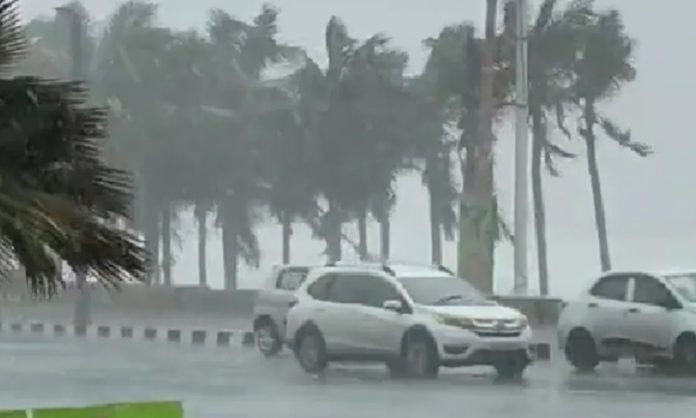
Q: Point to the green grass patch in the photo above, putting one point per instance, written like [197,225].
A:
[131,410]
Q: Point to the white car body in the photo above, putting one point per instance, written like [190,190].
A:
[645,322]
[464,335]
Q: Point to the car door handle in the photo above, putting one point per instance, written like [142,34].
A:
[592,305]
[633,310]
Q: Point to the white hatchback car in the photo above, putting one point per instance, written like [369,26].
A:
[651,317]
[415,319]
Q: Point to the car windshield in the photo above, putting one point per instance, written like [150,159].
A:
[684,284]
[442,290]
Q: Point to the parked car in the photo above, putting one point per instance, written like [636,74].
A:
[414,319]
[272,304]
[649,316]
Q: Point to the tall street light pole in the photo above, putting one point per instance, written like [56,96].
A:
[81,313]
[521,148]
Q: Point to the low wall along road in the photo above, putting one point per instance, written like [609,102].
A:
[185,315]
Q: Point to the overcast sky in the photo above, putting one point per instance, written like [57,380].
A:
[650,202]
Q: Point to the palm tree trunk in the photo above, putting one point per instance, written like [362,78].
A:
[477,202]
[202,219]
[435,229]
[333,233]
[362,235]
[592,167]
[538,199]
[384,236]
[167,245]
[287,233]
[230,253]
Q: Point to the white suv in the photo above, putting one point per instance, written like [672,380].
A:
[415,319]
[649,316]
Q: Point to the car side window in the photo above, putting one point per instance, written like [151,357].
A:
[291,279]
[380,291]
[611,287]
[349,288]
[321,288]
[363,289]
[651,292]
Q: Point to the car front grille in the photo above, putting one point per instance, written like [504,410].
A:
[498,328]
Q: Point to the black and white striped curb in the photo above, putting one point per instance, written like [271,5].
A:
[189,337]
[195,336]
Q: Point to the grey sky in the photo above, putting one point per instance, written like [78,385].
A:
[650,202]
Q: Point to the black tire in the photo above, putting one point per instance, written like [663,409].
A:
[310,350]
[511,366]
[685,354]
[267,338]
[581,351]
[420,359]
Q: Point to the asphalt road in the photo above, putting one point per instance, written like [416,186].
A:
[239,383]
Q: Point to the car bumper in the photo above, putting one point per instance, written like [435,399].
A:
[463,347]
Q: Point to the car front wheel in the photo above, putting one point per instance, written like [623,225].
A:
[420,357]
[310,351]
[511,366]
[581,351]
[685,353]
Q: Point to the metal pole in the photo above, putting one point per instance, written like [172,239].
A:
[521,149]
[81,314]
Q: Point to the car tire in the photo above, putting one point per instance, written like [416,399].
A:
[420,359]
[581,351]
[267,338]
[511,366]
[310,350]
[685,353]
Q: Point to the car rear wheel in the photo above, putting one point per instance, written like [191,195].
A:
[581,351]
[310,351]
[420,358]
[268,339]
[685,353]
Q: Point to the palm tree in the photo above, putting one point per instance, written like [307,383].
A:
[603,66]
[57,197]
[470,78]
[128,71]
[434,147]
[346,112]
[553,44]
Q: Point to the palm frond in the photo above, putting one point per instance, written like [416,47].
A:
[623,138]
[12,42]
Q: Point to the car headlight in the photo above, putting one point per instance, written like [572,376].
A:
[453,321]
[523,321]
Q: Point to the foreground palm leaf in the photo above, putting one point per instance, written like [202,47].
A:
[58,199]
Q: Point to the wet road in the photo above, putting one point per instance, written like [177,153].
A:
[239,383]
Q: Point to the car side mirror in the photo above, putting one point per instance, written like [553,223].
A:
[393,305]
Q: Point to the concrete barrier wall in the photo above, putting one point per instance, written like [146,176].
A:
[192,304]
[542,312]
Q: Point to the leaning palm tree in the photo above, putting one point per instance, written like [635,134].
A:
[242,52]
[554,40]
[603,67]
[469,79]
[58,199]
[128,69]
